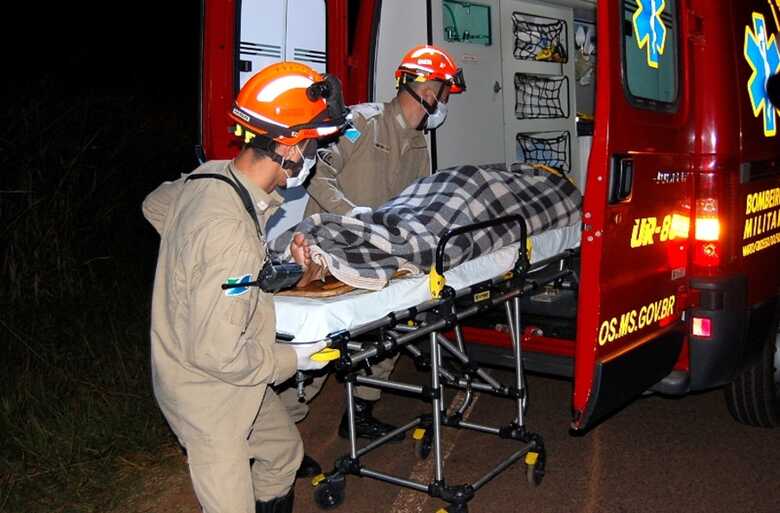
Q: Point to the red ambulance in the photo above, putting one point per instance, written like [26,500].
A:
[659,110]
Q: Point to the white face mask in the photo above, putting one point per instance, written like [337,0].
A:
[299,179]
[436,119]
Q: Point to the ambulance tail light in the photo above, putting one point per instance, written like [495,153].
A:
[707,231]
[701,327]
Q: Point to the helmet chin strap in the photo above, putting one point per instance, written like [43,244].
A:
[289,167]
[427,107]
[265,147]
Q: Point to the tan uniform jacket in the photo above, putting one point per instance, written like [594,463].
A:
[213,352]
[370,164]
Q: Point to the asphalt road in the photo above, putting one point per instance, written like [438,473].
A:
[657,455]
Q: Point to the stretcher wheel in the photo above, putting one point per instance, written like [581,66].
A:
[534,467]
[423,442]
[329,494]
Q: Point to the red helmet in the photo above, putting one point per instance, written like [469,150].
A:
[424,63]
[289,102]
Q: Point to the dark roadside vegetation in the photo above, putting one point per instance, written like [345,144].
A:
[85,133]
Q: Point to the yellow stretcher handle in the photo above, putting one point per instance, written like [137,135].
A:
[436,282]
[326,355]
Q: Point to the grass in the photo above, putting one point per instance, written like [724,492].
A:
[77,260]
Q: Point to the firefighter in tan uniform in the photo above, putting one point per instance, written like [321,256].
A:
[382,152]
[214,355]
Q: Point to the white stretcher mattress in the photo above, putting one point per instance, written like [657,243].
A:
[313,319]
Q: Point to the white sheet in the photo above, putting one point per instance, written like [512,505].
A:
[312,319]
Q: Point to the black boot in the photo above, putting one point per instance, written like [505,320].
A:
[282,504]
[309,467]
[366,426]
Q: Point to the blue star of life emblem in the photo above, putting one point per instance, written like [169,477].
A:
[649,29]
[237,280]
[763,56]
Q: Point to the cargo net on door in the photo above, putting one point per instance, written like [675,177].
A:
[539,97]
[552,149]
[538,38]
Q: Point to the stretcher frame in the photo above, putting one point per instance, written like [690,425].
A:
[443,313]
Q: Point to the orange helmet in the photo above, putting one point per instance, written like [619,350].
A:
[289,102]
[424,62]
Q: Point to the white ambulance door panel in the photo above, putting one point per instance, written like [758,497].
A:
[402,25]
[304,42]
[273,31]
[306,33]
[262,28]
[537,44]
[474,130]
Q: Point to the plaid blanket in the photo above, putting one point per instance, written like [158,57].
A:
[365,251]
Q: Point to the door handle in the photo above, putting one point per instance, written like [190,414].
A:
[496,87]
[621,179]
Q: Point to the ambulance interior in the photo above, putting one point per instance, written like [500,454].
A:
[530,70]
[530,73]
[537,106]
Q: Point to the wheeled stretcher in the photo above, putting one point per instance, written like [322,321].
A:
[501,278]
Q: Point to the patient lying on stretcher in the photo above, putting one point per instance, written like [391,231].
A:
[367,250]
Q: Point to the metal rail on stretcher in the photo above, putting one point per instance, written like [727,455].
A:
[442,313]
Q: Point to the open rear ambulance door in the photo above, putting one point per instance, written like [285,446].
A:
[635,217]
[239,39]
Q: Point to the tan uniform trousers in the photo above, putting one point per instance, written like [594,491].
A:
[298,410]
[220,469]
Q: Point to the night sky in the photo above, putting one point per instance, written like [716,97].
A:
[144,47]
[146,53]
[124,77]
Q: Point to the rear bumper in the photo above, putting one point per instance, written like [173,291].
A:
[715,360]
